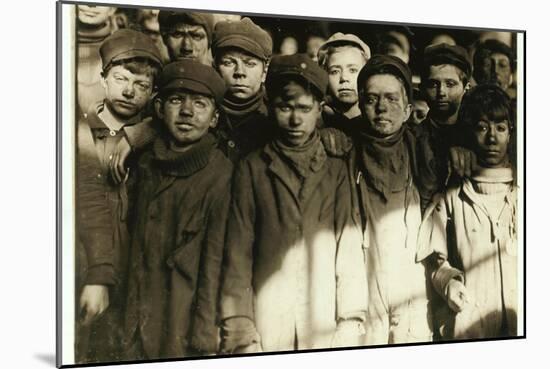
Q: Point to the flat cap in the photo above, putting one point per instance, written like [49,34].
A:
[340,39]
[386,64]
[242,34]
[168,19]
[127,44]
[297,65]
[193,76]
[448,54]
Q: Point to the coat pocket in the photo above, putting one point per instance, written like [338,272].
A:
[186,255]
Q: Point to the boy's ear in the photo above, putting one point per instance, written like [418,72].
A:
[264,74]
[158,107]
[102,79]
[408,111]
[215,119]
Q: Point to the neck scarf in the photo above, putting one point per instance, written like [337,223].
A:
[304,159]
[385,161]
[183,163]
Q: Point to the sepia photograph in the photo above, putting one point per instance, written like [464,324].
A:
[236,183]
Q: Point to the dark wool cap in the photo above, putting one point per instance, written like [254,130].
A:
[297,65]
[448,54]
[127,44]
[386,64]
[168,19]
[243,34]
[193,76]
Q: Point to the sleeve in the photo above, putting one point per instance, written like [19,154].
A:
[93,214]
[141,134]
[351,278]
[433,245]
[205,330]
[237,291]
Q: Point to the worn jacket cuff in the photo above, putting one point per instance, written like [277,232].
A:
[103,274]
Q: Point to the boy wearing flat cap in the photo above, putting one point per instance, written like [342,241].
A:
[494,63]
[187,35]
[130,64]
[182,201]
[445,75]
[242,51]
[387,186]
[343,56]
[294,268]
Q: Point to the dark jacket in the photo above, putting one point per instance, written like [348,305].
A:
[177,248]
[294,262]
[240,135]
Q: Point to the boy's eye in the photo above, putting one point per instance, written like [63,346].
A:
[502,127]
[197,36]
[284,108]
[250,63]
[450,84]
[334,72]
[199,104]
[354,70]
[175,100]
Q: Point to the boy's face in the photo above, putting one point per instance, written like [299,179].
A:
[94,15]
[187,115]
[491,141]
[343,67]
[497,70]
[444,90]
[187,41]
[384,104]
[126,93]
[297,112]
[243,73]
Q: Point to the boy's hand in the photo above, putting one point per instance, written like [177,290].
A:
[457,296]
[463,161]
[118,158]
[94,300]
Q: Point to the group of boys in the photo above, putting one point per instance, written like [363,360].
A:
[232,202]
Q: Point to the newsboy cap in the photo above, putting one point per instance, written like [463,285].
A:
[193,76]
[340,39]
[386,64]
[297,65]
[127,44]
[448,54]
[243,34]
[169,18]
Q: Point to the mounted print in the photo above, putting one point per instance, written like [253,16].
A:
[240,184]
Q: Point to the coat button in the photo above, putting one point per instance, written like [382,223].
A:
[99,175]
[231,144]
[112,133]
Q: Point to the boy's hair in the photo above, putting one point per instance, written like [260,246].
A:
[486,101]
[138,65]
[337,47]
[391,72]
[277,88]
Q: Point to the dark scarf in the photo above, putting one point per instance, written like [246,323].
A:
[183,163]
[239,110]
[305,159]
[89,35]
[385,162]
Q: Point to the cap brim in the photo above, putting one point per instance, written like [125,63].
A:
[248,46]
[136,54]
[188,84]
